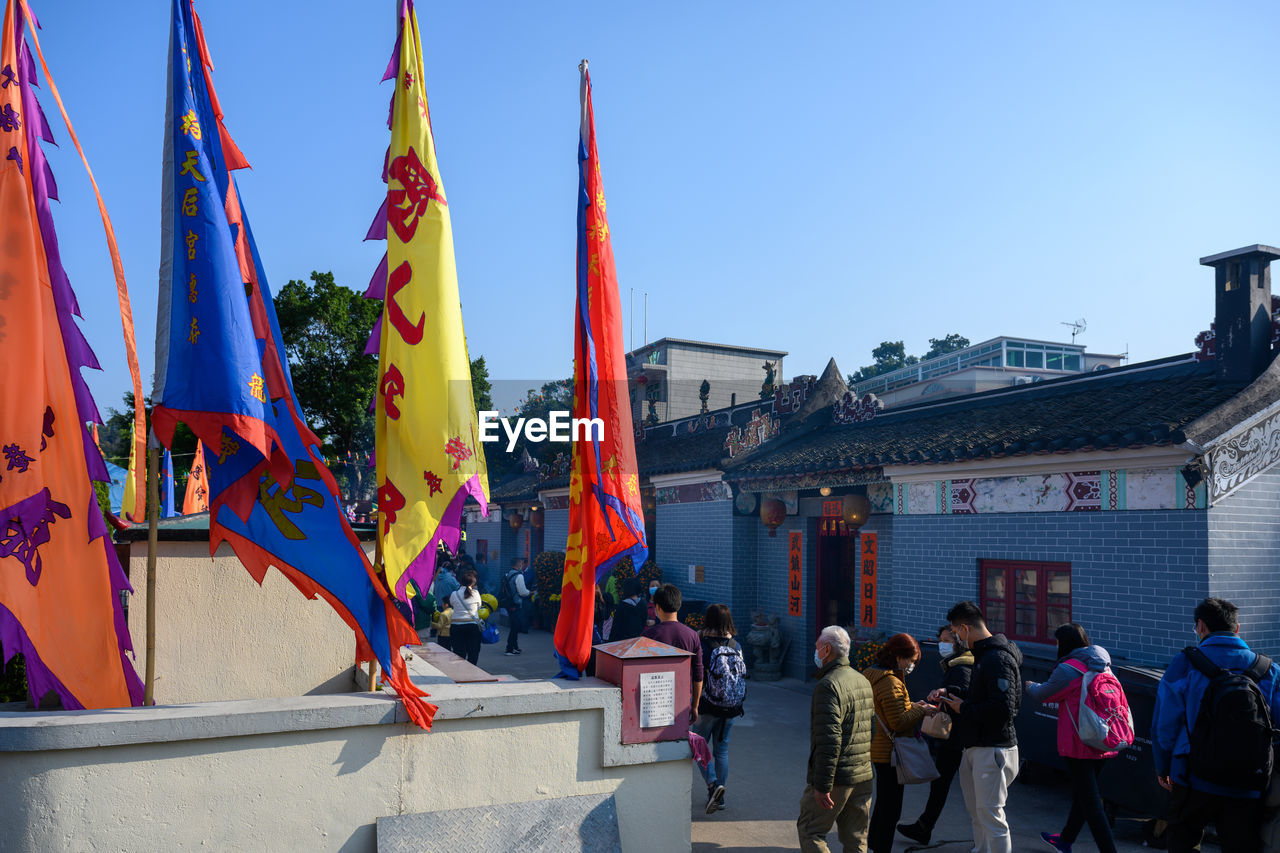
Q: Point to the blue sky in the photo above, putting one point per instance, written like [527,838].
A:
[814,178]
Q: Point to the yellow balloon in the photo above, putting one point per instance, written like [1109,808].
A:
[484,613]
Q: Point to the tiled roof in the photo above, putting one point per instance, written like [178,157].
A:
[1140,405]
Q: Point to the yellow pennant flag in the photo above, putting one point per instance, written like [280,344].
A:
[197,497]
[129,509]
[429,456]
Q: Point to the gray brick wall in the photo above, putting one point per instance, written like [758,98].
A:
[556,531]
[698,534]
[1135,575]
[1244,559]
[771,586]
[492,531]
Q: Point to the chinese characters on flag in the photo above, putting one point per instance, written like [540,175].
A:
[794,556]
[868,584]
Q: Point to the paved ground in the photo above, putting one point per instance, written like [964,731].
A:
[768,753]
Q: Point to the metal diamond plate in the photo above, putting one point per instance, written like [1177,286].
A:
[587,823]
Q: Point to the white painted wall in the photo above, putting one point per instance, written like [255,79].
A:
[315,773]
[220,636]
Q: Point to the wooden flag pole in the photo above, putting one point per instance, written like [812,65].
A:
[153,535]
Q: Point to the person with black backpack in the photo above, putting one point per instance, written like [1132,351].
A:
[512,595]
[1212,734]
[724,689]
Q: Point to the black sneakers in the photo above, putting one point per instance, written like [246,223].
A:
[915,831]
[715,797]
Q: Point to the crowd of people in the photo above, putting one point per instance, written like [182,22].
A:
[1211,732]
[1211,735]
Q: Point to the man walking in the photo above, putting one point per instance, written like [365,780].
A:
[839,781]
[990,760]
[513,594]
[671,631]
[1211,734]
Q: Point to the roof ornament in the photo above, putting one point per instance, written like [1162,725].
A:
[851,410]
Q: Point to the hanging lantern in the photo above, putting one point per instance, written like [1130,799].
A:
[536,518]
[855,509]
[515,520]
[772,513]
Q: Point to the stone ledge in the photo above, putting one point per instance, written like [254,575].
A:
[62,730]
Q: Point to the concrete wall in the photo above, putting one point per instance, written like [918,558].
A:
[315,773]
[1244,558]
[1135,575]
[221,636]
[728,372]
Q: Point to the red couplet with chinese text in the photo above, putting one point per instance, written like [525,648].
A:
[868,585]
[794,552]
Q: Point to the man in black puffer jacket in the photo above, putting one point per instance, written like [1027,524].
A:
[987,716]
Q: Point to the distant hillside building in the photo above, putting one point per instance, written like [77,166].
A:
[997,363]
[669,374]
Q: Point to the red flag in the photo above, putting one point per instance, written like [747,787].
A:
[605,518]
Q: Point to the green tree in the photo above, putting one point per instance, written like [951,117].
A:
[325,327]
[890,355]
[481,387]
[942,346]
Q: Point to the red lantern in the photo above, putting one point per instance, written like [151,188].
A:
[536,518]
[772,513]
[515,520]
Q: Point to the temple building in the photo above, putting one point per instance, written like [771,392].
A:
[1115,498]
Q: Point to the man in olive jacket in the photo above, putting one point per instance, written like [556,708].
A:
[839,789]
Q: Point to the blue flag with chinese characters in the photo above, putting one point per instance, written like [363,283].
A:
[220,367]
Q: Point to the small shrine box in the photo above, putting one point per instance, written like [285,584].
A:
[654,678]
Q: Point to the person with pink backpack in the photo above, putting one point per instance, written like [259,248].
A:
[1088,735]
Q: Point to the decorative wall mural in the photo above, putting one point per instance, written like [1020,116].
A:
[756,432]
[1243,456]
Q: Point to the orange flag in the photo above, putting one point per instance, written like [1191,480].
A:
[60,582]
[197,499]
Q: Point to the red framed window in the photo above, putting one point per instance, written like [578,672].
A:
[1025,600]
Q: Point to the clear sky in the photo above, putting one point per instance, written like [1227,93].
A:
[814,178]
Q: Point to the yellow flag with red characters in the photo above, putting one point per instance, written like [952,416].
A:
[429,457]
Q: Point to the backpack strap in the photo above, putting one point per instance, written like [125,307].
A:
[1261,666]
[1201,661]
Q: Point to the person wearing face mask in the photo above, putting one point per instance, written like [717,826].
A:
[839,786]
[990,740]
[957,666]
[1076,656]
[895,715]
[1212,752]
[653,613]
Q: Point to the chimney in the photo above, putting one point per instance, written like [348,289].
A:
[1242,317]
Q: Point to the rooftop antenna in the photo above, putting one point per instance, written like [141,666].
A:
[1076,328]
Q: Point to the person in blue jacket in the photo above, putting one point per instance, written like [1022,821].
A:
[1194,803]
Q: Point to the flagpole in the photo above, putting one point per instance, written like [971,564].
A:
[153,535]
